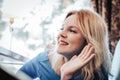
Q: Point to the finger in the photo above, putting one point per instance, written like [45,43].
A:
[88,48]
[85,50]
[88,60]
[90,52]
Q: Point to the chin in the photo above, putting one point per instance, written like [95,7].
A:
[60,52]
[64,53]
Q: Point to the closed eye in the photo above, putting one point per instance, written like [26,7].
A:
[69,29]
[73,31]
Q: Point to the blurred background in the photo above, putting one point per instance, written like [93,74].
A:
[28,27]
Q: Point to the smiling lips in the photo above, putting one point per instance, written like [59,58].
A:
[62,43]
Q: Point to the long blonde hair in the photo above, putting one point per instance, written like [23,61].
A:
[95,31]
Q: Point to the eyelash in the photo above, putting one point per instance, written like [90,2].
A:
[73,31]
[69,30]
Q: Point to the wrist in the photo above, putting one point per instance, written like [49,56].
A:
[65,75]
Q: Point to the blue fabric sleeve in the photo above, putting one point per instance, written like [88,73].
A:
[29,69]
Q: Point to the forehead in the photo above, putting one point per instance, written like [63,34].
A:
[71,21]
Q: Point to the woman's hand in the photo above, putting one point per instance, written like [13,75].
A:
[77,62]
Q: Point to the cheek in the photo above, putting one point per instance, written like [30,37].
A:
[77,43]
[75,46]
[77,40]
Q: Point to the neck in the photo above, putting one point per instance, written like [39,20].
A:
[77,52]
[70,55]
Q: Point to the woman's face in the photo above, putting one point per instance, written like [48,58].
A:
[70,39]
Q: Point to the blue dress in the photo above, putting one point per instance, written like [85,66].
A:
[40,67]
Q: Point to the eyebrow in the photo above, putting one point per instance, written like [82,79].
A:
[70,26]
[74,27]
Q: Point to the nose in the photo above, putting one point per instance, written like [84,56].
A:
[62,34]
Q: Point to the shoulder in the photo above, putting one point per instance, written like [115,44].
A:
[35,66]
[41,56]
[40,60]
